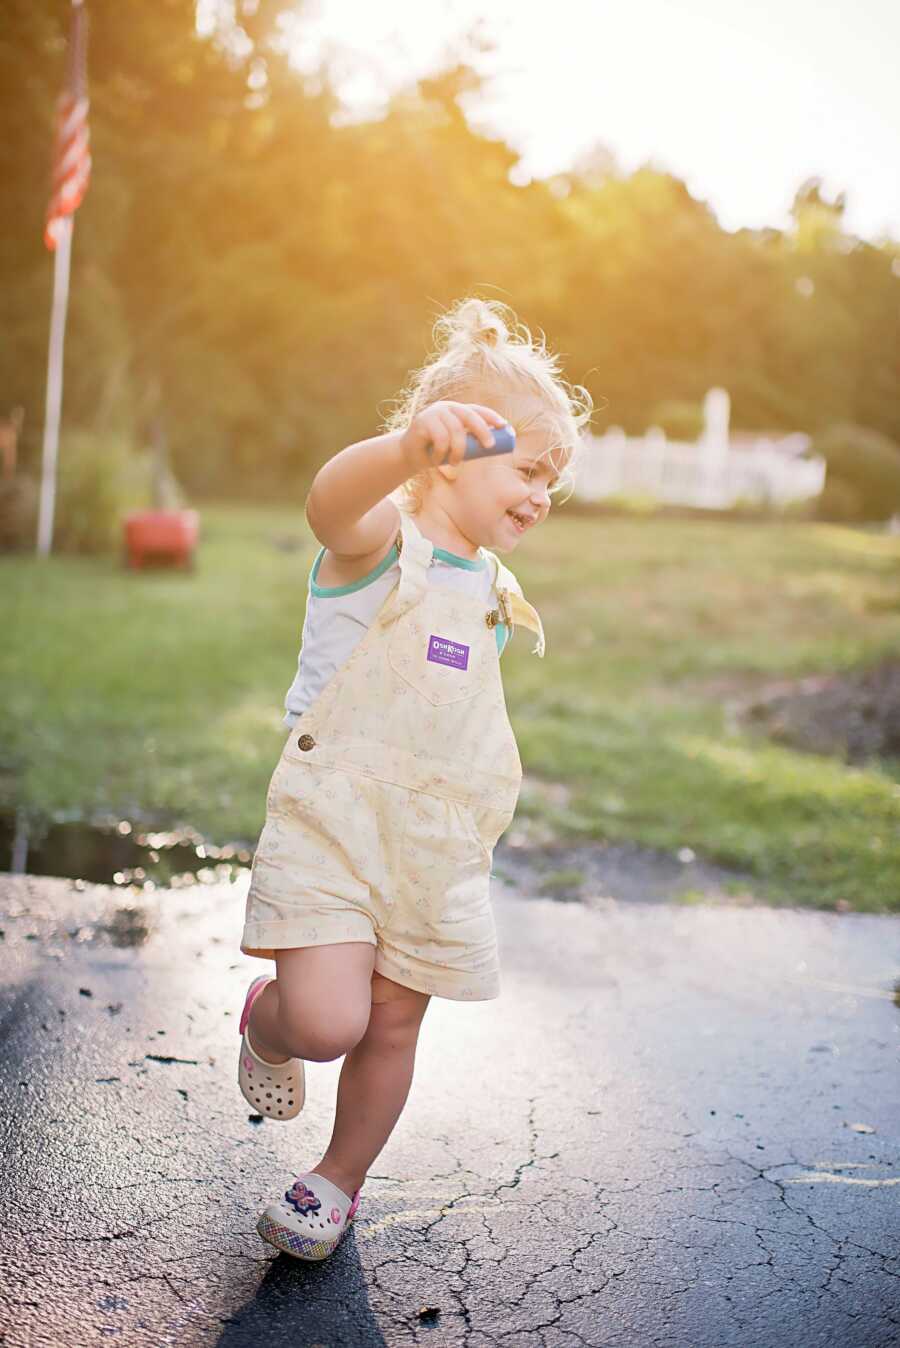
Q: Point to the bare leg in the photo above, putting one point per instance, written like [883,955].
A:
[296,1015]
[374,1085]
[264,1034]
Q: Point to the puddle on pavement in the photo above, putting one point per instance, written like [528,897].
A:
[117,853]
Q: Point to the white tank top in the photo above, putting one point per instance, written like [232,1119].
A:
[338,616]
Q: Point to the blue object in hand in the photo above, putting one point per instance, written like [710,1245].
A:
[504,443]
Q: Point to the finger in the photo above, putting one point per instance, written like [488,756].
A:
[477,424]
[458,433]
[490,415]
[438,436]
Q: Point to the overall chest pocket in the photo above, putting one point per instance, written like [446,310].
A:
[443,649]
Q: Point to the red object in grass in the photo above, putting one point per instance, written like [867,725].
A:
[156,534]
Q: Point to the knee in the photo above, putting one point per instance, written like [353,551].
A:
[321,1041]
[394,1026]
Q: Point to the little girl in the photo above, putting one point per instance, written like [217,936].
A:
[370,883]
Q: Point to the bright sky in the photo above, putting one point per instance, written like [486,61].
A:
[741,100]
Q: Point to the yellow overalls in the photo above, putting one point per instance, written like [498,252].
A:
[393,788]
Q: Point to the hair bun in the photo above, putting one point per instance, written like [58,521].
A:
[475,322]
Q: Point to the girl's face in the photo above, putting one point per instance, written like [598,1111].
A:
[504,497]
[516,487]
[476,502]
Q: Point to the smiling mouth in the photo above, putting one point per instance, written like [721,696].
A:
[522,522]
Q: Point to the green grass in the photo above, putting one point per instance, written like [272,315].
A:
[159,694]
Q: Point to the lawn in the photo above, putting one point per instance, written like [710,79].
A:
[158,695]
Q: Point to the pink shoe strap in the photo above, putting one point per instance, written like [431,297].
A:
[253,992]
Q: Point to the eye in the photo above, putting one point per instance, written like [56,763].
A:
[530,469]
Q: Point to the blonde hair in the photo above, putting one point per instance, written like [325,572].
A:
[482,353]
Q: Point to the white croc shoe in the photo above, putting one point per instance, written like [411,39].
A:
[276,1090]
[310,1220]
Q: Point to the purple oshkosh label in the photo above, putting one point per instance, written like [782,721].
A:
[444,652]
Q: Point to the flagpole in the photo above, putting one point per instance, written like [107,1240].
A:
[71,175]
[61,257]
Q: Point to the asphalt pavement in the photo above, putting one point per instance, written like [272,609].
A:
[678,1127]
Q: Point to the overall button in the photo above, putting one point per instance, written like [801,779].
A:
[306,742]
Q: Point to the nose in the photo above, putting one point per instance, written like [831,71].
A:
[540,496]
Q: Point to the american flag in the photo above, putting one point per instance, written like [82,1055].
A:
[72,156]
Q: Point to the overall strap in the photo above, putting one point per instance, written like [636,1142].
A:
[515,605]
[415,553]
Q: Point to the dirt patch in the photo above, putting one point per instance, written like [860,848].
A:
[536,858]
[854,716]
[596,872]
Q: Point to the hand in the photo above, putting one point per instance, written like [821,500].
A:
[445,425]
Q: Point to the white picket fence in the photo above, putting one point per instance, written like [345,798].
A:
[710,472]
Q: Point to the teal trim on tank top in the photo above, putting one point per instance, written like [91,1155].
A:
[333,591]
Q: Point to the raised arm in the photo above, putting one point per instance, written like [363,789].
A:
[348,505]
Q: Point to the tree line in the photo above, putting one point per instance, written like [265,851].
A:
[258,277]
